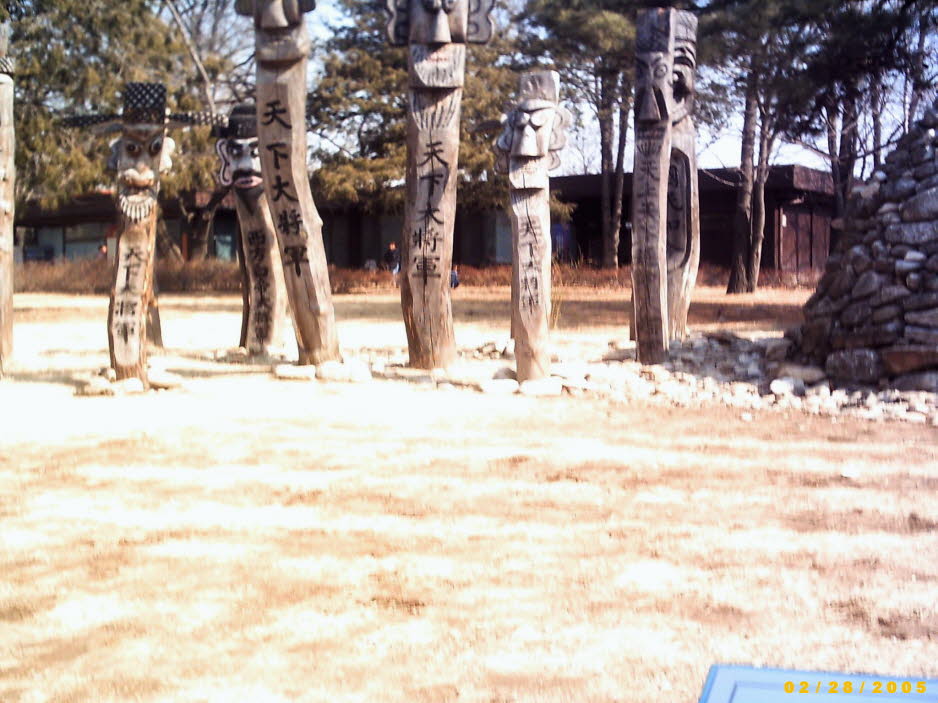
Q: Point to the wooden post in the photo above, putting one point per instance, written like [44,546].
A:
[683,213]
[141,153]
[7,178]
[664,98]
[436,34]
[130,295]
[527,150]
[262,282]
[282,49]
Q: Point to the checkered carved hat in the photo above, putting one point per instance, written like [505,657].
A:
[242,123]
[145,103]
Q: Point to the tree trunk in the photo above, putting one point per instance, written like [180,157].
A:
[876,116]
[610,235]
[742,220]
[618,190]
[918,66]
[766,141]
[7,176]
[166,248]
[847,151]
[839,203]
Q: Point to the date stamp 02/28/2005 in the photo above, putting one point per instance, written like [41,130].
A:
[728,683]
[848,686]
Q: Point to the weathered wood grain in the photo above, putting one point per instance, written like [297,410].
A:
[665,208]
[130,297]
[527,150]
[436,35]
[281,51]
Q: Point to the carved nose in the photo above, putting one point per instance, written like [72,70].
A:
[527,144]
[273,15]
[648,107]
[140,177]
[438,29]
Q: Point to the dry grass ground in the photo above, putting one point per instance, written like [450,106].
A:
[245,539]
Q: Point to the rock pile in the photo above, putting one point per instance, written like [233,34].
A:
[874,316]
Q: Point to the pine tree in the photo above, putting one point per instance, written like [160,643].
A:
[73,57]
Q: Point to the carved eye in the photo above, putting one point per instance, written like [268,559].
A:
[448,5]
[661,71]
[540,118]
[132,148]
[156,146]
[291,10]
[521,119]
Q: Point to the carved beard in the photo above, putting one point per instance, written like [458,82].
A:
[442,66]
[137,203]
[251,194]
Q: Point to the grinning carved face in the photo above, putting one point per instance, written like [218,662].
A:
[280,36]
[241,164]
[534,132]
[139,156]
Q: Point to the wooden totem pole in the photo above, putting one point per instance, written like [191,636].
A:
[265,300]
[7,176]
[281,52]
[436,33]
[138,156]
[665,203]
[527,150]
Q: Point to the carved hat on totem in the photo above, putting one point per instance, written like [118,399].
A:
[144,103]
[242,123]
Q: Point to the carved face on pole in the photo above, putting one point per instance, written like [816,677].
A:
[139,156]
[666,71]
[534,132]
[280,36]
[143,151]
[237,150]
[437,32]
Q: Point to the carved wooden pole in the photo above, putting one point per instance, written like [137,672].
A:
[265,297]
[436,32]
[527,150]
[7,177]
[282,48]
[138,156]
[665,55]
[683,212]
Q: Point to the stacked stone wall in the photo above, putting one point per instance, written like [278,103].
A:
[874,317]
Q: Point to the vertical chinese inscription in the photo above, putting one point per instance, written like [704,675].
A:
[266,296]
[281,52]
[528,148]
[663,267]
[7,176]
[436,33]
